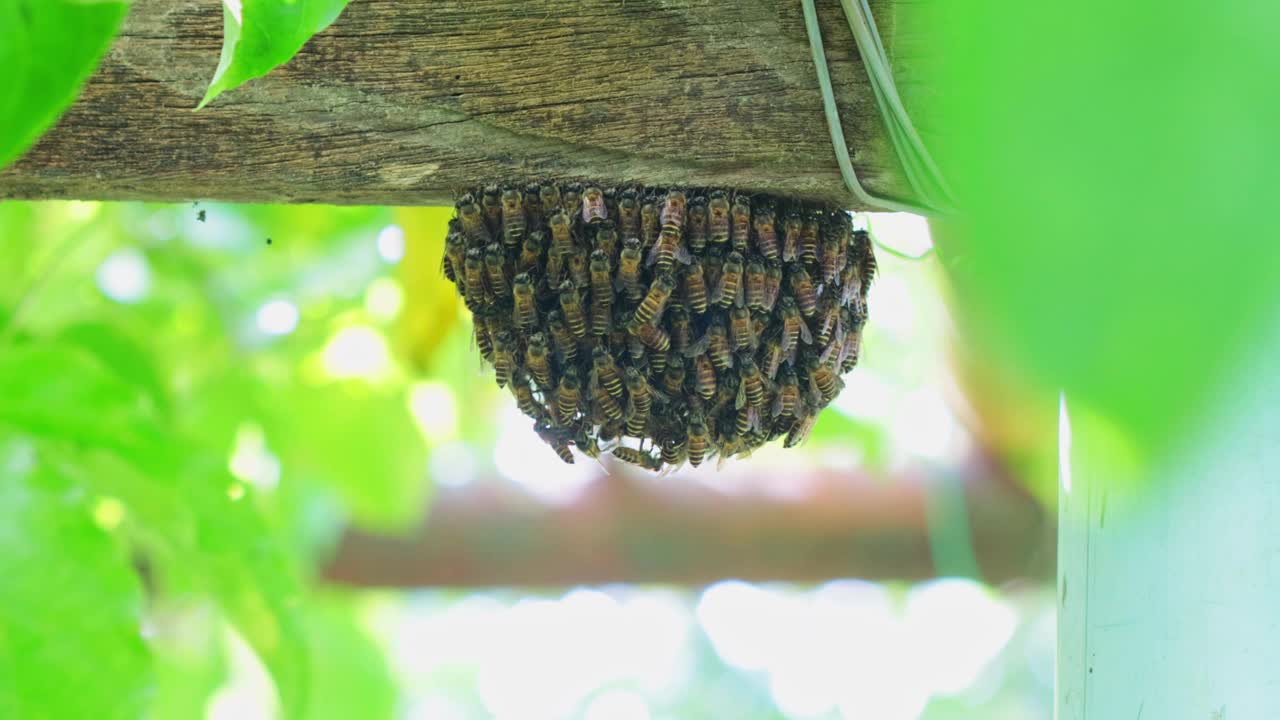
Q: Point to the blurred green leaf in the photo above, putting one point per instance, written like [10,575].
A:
[349,671]
[70,606]
[123,354]
[260,35]
[60,392]
[191,661]
[48,49]
[362,441]
[1116,178]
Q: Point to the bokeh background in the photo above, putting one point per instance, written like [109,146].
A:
[324,495]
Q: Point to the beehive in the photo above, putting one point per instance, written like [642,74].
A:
[665,324]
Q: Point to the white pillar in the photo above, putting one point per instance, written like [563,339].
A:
[1169,597]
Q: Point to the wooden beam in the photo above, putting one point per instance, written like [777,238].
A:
[404,102]
[629,529]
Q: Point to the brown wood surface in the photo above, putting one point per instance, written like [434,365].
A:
[625,528]
[405,101]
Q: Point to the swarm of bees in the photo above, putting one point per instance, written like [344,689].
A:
[663,325]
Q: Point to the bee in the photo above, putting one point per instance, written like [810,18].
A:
[455,253]
[549,196]
[561,234]
[657,363]
[867,260]
[827,320]
[533,205]
[832,262]
[696,218]
[792,227]
[593,209]
[673,452]
[628,279]
[525,400]
[571,200]
[605,372]
[742,332]
[639,401]
[504,359]
[483,337]
[667,250]
[568,395]
[472,221]
[513,220]
[805,293]
[650,224]
[607,242]
[772,284]
[751,382]
[537,358]
[695,287]
[715,343]
[704,376]
[799,432]
[745,420]
[673,377]
[809,239]
[561,337]
[606,406]
[699,444]
[718,218]
[628,214]
[601,293]
[556,438]
[555,269]
[474,273]
[571,306]
[650,336]
[851,283]
[824,382]
[638,457]
[771,356]
[655,302]
[726,394]
[495,265]
[794,328]
[491,203]
[755,284]
[788,402]
[766,233]
[619,338]
[673,208]
[531,251]
[851,346]
[678,325]
[729,290]
[578,269]
[525,310]
[741,224]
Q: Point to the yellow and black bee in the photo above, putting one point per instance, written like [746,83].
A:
[571,305]
[695,287]
[729,289]
[525,307]
[740,215]
[537,359]
[696,221]
[472,221]
[766,233]
[718,218]
[628,214]
[655,302]
[513,220]
[637,457]
[593,208]
[628,279]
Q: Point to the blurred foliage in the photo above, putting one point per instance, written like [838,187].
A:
[1116,241]
[135,361]
[48,49]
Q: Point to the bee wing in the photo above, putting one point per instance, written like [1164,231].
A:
[787,341]
[742,396]
[753,419]
[804,332]
[740,298]
[682,254]
[659,395]
[717,292]
[698,346]
[777,405]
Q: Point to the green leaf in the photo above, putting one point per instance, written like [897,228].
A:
[48,49]
[1116,182]
[362,441]
[349,671]
[70,604]
[261,35]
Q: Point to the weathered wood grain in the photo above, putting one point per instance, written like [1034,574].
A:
[404,102]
